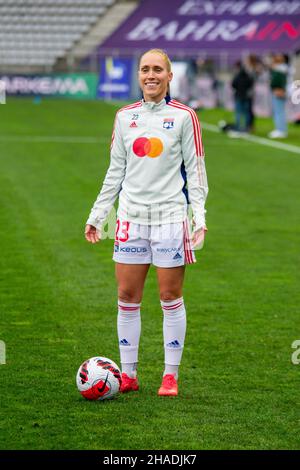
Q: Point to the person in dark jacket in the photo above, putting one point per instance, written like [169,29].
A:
[242,85]
[254,68]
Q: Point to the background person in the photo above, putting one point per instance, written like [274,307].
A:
[278,84]
[242,85]
[253,67]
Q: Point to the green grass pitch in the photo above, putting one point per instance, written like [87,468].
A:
[238,386]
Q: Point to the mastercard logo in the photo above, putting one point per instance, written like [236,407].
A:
[151,147]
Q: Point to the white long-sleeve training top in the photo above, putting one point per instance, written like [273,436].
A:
[156,168]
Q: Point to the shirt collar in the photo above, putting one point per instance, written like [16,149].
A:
[155,106]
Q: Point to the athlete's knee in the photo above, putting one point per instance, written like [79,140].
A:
[169,295]
[129,296]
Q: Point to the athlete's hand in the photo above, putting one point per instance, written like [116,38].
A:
[198,238]
[91,233]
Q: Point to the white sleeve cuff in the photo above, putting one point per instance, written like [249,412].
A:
[95,222]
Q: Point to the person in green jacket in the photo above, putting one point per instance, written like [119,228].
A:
[278,83]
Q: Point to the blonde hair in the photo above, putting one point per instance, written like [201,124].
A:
[164,56]
[162,53]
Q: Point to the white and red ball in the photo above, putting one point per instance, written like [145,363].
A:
[98,378]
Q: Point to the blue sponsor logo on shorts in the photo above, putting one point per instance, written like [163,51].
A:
[177,256]
[133,249]
[117,247]
[167,250]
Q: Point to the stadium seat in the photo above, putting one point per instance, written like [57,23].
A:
[39,32]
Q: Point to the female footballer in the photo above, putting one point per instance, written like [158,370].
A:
[157,170]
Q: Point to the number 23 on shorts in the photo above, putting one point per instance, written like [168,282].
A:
[122,228]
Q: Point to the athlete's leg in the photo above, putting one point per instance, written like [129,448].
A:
[131,280]
[170,282]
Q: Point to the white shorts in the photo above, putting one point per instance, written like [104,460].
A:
[165,246]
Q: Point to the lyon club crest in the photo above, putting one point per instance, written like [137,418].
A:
[168,123]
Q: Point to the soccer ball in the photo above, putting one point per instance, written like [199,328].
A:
[98,378]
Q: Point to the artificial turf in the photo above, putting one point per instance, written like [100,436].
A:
[238,386]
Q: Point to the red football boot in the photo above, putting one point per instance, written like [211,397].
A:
[129,384]
[169,387]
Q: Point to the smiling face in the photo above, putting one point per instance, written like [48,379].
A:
[154,76]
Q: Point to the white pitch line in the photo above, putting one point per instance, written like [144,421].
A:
[95,140]
[54,139]
[258,140]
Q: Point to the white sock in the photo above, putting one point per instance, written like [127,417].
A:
[169,369]
[174,328]
[129,330]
